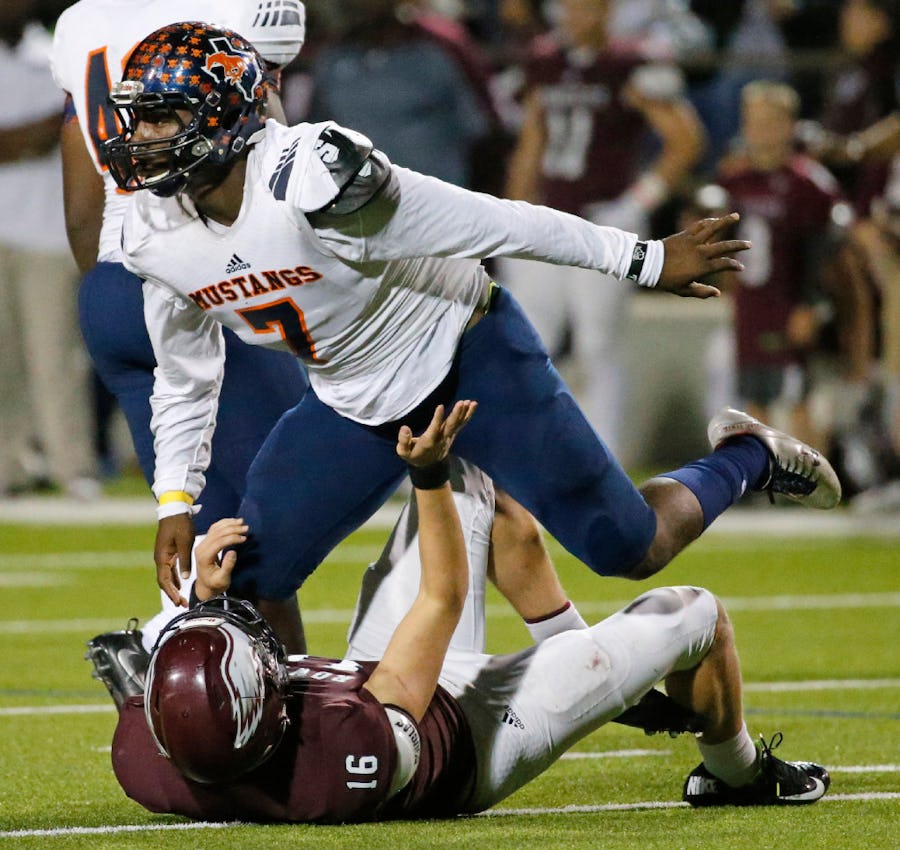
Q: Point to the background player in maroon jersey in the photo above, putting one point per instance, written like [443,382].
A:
[430,729]
[607,134]
[786,202]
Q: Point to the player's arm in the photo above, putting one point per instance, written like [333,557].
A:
[657,93]
[190,354]
[407,674]
[524,169]
[83,194]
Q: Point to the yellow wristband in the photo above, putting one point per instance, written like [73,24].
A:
[176,496]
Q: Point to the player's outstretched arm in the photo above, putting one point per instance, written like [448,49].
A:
[699,251]
[407,674]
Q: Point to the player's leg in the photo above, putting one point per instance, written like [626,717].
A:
[536,444]
[111,313]
[531,437]
[259,385]
[504,544]
[526,709]
[391,583]
[519,567]
[317,477]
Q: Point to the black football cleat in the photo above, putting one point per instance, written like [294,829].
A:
[655,713]
[120,662]
[778,783]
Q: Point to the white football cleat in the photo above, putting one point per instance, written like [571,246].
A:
[796,470]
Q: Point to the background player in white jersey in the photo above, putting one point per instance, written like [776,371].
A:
[429,726]
[371,274]
[93,39]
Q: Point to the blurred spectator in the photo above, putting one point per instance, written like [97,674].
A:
[719,367]
[786,201]
[864,90]
[870,446]
[43,369]
[415,83]
[593,110]
[663,27]
[749,37]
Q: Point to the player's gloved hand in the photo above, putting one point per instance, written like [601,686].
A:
[172,553]
[698,251]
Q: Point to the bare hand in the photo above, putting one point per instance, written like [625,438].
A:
[213,575]
[435,442]
[174,541]
[694,253]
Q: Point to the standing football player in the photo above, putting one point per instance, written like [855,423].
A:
[593,107]
[371,274]
[93,40]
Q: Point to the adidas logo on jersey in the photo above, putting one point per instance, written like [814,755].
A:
[236,264]
[512,719]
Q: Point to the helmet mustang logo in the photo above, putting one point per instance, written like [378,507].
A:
[234,66]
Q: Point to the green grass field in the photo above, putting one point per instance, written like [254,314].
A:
[817,621]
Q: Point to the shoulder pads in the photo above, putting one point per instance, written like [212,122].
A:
[343,153]
[372,175]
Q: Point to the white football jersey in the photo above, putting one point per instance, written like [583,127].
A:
[92,42]
[375,309]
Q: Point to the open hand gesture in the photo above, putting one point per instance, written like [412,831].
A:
[434,443]
[696,252]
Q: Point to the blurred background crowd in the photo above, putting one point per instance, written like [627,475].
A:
[642,114]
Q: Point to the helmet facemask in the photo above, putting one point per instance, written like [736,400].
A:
[212,93]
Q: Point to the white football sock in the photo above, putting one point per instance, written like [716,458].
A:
[563,620]
[735,762]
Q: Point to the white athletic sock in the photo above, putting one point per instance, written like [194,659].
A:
[735,762]
[563,620]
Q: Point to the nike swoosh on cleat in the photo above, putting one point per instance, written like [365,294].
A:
[812,794]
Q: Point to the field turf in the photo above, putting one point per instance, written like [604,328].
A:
[817,620]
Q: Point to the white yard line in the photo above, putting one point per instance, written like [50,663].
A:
[785,603]
[559,810]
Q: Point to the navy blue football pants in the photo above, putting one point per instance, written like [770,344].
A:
[259,385]
[319,475]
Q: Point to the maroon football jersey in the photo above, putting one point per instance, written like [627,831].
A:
[782,212]
[592,137]
[334,765]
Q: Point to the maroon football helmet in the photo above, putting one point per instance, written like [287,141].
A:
[215,694]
